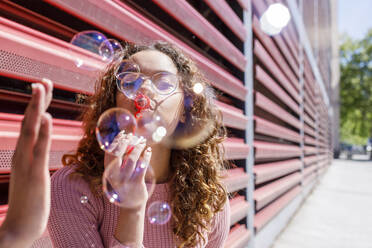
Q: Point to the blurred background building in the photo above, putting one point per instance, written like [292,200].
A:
[278,92]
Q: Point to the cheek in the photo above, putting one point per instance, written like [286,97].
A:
[171,111]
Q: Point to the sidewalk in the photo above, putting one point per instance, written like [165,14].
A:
[337,214]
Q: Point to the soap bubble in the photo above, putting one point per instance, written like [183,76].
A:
[118,50]
[111,50]
[159,213]
[89,40]
[98,44]
[150,125]
[84,199]
[191,130]
[121,185]
[113,129]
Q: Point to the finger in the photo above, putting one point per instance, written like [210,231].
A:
[48,85]
[42,146]
[119,144]
[142,165]
[125,140]
[31,123]
[131,161]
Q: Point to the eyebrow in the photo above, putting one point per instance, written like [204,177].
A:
[149,70]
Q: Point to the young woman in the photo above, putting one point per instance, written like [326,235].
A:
[187,178]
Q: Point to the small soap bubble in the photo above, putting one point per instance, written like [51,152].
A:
[118,50]
[84,199]
[113,130]
[159,213]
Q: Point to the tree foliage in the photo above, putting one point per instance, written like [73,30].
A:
[356,89]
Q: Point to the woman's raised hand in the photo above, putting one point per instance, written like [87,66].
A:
[124,176]
[29,186]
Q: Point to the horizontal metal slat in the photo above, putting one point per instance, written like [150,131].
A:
[238,237]
[269,45]
[309,140]
[239,209]
[310,150]
[308,120]
[115,16]
[269,63]
[307,180]
[42,23]
[235,179]
[245,4]
[236,148]
[228,16]
[267,150]
[30,55]
[309,130]
[3,209]
[232,117]
[269,192]
[310,169]
[65,138]
[268,171]
[310,159]
[260,7]
[184,13]
[274,109]
[272,86]
[265,127]
[266,214]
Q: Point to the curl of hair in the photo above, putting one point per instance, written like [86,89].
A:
[197,193]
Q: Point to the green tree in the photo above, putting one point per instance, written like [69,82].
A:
[356,89]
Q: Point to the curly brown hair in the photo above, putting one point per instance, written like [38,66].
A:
[196,190]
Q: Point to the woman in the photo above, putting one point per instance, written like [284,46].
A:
[188,179]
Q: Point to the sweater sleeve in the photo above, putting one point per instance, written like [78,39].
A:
[75,212]
[220,228]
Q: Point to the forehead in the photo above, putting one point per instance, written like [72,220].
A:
[152,61]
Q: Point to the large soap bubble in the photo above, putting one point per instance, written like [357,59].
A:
[113,126]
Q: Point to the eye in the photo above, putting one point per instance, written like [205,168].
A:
[129,77]
[165,82]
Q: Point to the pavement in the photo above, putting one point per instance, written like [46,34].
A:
[338,213]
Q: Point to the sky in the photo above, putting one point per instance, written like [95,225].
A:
[354,17]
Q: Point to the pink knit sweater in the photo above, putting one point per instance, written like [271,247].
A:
[92,224]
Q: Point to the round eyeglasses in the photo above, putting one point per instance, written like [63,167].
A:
[130,80]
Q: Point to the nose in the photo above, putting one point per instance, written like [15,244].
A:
[146,88]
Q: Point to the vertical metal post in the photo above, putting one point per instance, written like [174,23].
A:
[317,129]
[249,105]
[302,97]
[316,31]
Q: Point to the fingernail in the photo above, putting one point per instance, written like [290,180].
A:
[33,87]
[149,149]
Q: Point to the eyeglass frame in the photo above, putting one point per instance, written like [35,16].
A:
[144,77]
